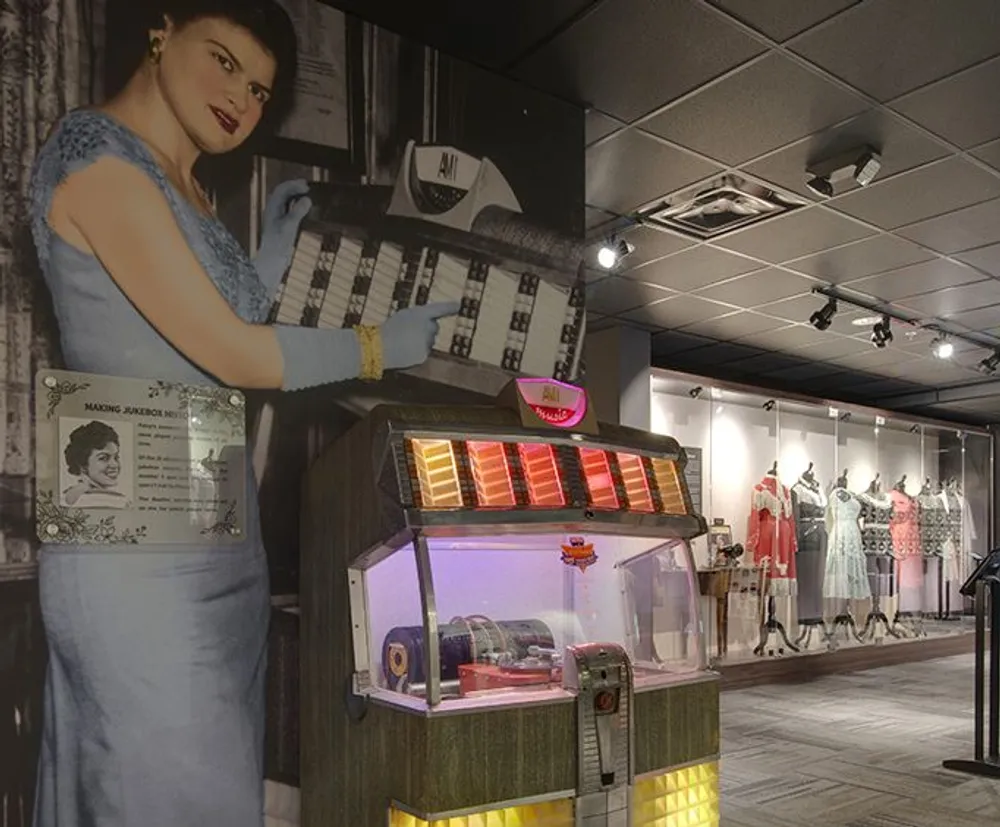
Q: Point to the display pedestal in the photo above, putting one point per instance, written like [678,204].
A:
[773,626]
[810,626]
[984,584]
[845,620]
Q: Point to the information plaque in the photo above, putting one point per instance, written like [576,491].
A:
[127,462]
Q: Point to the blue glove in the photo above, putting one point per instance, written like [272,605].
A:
[287,205]
[408,336]
[319,357]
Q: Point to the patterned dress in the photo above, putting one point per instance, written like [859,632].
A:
[154,695]
[909,557]
[846,571]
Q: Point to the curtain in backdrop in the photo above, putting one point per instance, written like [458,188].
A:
[39,81]
[40,70]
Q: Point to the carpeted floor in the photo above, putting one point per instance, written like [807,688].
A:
[861,750]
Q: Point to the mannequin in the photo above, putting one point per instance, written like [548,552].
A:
[905,532]
[876,539]
[932,523]
[809,507]
[771,541]
[845,578]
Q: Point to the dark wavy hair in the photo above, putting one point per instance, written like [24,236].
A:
[266,20]
[84,441]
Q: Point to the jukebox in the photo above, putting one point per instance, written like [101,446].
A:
[500,623]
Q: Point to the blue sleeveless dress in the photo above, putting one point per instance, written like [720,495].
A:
[154,696]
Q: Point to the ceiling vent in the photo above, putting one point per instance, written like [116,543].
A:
[728,203]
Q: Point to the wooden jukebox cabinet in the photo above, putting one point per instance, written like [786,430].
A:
[499,623]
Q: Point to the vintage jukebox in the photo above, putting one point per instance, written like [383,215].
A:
[500,623]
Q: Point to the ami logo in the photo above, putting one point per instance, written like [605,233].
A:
[448,167]
[579,553]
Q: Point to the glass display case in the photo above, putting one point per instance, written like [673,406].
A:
[500,620]
[847,527]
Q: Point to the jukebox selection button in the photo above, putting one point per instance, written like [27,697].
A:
[606,702]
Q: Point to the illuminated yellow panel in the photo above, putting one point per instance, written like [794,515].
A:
[680,798]
[548,814]
[437,472]
[669,485]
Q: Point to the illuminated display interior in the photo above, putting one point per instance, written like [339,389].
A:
[491,473]
[541,474]
[549,814]
[597,473]
[636,484]
[687,797]
[614,481]
[437,473]
[680,798]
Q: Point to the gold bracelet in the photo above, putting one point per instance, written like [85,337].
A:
[370,339]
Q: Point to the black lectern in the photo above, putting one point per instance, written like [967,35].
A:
[984,586]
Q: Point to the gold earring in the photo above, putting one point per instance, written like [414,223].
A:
[155,45]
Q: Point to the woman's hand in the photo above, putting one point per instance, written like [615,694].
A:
[287,205]
[408,335]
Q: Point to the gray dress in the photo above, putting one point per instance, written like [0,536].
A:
[154,696]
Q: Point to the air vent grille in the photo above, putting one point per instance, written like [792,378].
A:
[727,204]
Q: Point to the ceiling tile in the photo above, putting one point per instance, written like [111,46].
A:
[872,358]
[652,244]
[804,373]
[609,57]
[768,363]
[953,107]
[985,258]
[615,295]
[900,146]
[955,299]
[694,268]
[727,120]
[631,168]
[782,19]
[982,319]
[862,258]
[891,47]
[789,339]
[596,322]
[761,287]
[923,193]
[677,312]
[974,226]
[990,153]
[912,281]
[790,236]
[598,125]
[736,325]
[671,342]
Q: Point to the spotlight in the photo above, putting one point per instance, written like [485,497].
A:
[942,348]
[882,332]
[822,319]
[990,364]
[862,164]
[769,405]
[694,393]
[612,253]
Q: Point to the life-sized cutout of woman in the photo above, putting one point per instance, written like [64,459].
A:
[154,696]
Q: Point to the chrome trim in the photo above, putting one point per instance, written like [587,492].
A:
[482,808]
[432,655]
[358,596]
[469,706]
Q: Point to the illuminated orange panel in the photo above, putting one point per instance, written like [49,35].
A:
[636,486]
[437,473]
[669,485]
[542,474]
[491,474]
[597,473]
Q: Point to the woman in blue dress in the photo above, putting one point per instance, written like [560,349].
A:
[154,696]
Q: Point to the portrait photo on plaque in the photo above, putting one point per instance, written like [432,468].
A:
[98,462]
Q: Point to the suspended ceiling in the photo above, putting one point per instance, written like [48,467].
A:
[681,91]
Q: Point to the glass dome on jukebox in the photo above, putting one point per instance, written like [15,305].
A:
[490,557]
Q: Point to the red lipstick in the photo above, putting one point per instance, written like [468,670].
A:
[226,122]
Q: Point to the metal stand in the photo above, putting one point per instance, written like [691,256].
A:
[770,627]
[810,626]
[987,591]
[876,616]
[845,620]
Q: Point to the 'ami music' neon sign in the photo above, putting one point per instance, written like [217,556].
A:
[554,402]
